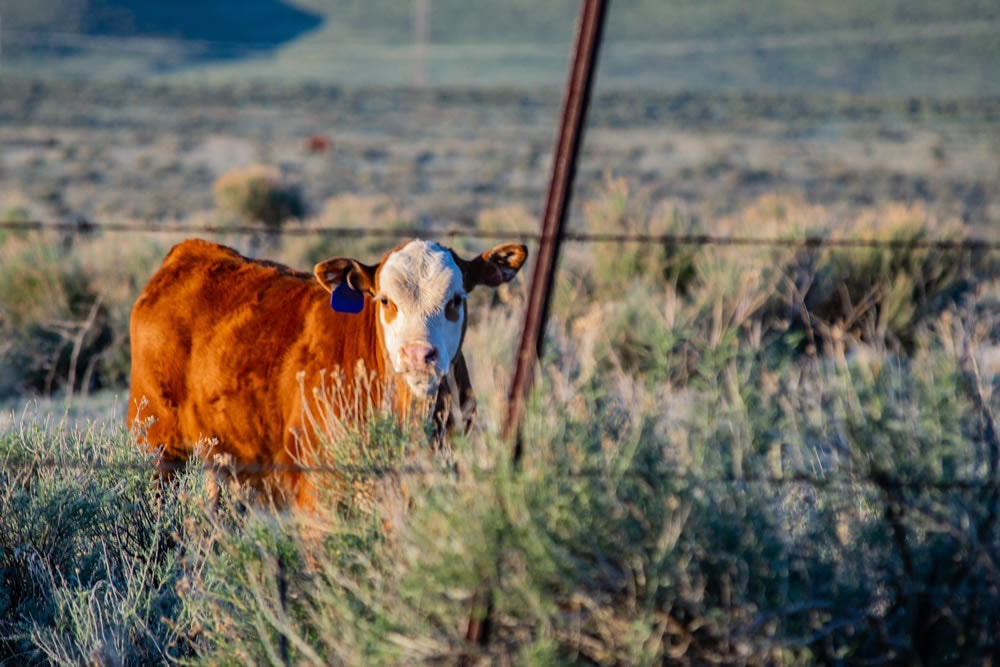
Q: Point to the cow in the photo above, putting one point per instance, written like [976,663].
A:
[243,353]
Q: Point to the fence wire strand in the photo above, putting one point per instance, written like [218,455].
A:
[831,480]
[82,227]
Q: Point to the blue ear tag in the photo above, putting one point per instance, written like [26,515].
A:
[346,300]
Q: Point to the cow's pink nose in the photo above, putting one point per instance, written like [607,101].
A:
[418,355]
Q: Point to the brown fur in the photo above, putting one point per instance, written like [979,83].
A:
[218,345]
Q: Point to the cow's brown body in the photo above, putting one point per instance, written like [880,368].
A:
[228,351]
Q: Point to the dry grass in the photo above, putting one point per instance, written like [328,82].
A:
[638,527]
[628,304]
[350,211]
[258,193]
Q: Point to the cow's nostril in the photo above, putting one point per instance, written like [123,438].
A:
[419,354]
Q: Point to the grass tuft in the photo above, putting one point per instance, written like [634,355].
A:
[259,194]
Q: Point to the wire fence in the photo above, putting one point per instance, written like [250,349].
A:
[829,480]
[83,226]
[846,481]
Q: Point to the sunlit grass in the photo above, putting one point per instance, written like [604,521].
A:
[641,525]
[698,484]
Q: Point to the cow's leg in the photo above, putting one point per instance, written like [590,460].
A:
[291,477]
[455,407]
[167,467]
[156,429]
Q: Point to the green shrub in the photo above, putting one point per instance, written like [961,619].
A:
[630,535]
[274,591]
[118,272]
[825,298]
[13,214]
[53,321]
[358,212]
[650,336]
[64,312]
[617,267]
[794,511]
[883,294]
[87,558]
[259,194]
[691,491]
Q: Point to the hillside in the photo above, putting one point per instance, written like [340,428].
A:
[262,22]
[389,22]
[903,47]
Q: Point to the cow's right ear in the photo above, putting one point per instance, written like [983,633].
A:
[495,266]
[358,277]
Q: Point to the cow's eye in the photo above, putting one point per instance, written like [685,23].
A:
[454,308]
[384,300]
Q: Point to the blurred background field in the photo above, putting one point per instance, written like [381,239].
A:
[711,105]
[894,47]
[739,454]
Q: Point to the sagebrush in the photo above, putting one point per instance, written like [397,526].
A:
[710,475]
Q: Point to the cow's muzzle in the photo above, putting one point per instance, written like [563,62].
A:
[418,358]
[418,364]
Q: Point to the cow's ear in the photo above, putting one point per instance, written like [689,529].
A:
[342,271]
[496,266]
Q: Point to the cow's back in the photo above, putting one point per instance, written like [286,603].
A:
[218,342]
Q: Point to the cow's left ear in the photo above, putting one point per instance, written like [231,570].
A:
[496,266]
[334,273]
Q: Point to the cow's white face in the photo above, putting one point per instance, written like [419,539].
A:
[419,291]
[420,297]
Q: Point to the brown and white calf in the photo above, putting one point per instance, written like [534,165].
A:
[240,352]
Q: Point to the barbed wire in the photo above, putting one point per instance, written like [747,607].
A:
[877,480]
[83,227]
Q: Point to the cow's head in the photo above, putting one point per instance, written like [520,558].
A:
[419,291]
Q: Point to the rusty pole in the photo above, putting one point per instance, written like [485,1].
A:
[575,103]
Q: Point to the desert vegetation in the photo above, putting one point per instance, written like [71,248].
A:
[747,454]
[756,455]
[258,194]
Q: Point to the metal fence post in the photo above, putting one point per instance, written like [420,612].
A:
[574,115]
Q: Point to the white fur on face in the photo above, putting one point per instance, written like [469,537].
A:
[420,279]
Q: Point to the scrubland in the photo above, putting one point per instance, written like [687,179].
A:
[766,455]
[761,454]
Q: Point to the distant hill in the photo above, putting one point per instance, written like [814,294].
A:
[389,22]
[857,46]
[259,22]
